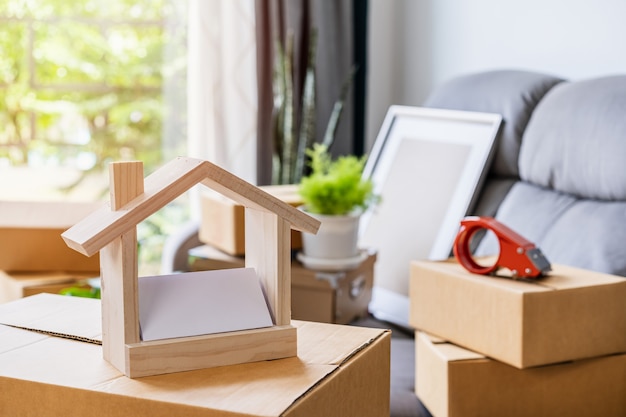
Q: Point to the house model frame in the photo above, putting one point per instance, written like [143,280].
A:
[112,231]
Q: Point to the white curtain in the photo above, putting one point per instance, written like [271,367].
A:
[222,86]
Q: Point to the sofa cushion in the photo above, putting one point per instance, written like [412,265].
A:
[569,230]
[529,210]
[510,93]
[575,141]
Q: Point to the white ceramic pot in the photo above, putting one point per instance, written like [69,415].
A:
[337,237]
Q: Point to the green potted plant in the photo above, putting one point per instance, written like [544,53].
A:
[336,193]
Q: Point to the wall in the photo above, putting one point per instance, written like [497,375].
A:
[417,44]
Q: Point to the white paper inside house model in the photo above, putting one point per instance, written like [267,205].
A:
[197,303]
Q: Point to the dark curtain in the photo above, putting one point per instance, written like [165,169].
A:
[359,14]
[341,28]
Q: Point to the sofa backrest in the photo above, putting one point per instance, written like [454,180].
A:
[513,94]
[575,142]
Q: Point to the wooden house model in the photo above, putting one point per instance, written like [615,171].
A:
[112,231]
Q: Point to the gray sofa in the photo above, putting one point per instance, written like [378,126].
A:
[561,159]
[558,177]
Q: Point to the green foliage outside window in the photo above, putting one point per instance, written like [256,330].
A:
[87,82]
[82,81]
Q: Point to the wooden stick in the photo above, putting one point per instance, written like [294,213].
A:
[126,182]
[119,270]
[268,251]
[197,352]
[119,294]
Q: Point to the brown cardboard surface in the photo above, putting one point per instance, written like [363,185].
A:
[339,370]
[455,382]
[332,297]
[208,258]
[571,314]
[70,317]
[223,224]
[30,237]
[14,285]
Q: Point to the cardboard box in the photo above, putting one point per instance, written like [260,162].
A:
[327,297]
[209,258]
[455,382]
[22,284]
[30,237]
[332,297]
[222,220]
[339,371]
[571,314]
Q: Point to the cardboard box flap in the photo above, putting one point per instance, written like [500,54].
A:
[452,268]
[351,339]
[44,278]
[69,317]
[287,193]
[13,338]
[561,277]
[564,277]
[448,351]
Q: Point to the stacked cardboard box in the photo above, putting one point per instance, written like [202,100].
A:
[33,256]
[323,296]
[493,346]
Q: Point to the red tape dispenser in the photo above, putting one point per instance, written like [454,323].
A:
[517,254]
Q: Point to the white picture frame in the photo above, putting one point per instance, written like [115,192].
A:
[427,165]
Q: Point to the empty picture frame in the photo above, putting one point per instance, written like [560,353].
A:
[427,165]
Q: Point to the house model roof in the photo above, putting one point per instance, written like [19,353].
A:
[166,184]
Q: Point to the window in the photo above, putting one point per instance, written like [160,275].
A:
[84,83]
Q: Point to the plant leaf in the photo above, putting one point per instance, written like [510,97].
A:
[333,121]
[308,114]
